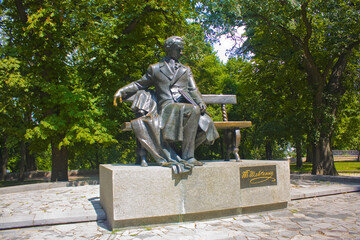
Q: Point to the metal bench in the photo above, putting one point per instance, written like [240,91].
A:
[231,129]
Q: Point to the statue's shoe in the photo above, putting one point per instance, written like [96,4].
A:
[193,161]
[178,168]
[144,163]
[141,161]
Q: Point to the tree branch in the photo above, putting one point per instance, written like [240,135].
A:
[131,26]
[316,79]
[136,20]
[307,22]
[335,84]
[21,11]
[328,68]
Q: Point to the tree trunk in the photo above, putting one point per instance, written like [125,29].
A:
[22,161]
[299,162]
[323,158]
[97,158]
[59,157]
[268,150]
[4,157]
[324,111]
[30,160]
[309,153]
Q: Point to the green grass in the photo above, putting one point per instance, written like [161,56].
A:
[15,183]
[347,166]
[305,168]
[340,166]
[31,181]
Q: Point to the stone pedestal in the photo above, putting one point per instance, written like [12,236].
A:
[133,195]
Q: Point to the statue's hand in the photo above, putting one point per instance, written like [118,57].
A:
[202,107]
[117,96]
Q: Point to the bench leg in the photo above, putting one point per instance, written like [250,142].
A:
[237,144]
[232,142]
[228,142]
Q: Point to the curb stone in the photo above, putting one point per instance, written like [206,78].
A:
[323,191]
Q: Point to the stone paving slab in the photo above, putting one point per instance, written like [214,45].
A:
[59,204]
[308,186]
[329,217]
[50,206]
[340,179]
[322,191]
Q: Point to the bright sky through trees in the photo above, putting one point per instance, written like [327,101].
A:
[226,43]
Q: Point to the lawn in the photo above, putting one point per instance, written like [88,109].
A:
[340,167]
[15,183]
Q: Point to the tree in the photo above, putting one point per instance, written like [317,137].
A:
[273,108]
[75,55]
[13,110]
[318,37]
[40,35]
[348,126]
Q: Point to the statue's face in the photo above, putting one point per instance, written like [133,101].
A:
[175,52]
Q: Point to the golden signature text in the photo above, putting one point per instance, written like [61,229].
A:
[258,176]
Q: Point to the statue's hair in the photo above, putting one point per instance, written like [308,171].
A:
[174,40]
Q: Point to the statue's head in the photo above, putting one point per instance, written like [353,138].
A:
[174,46]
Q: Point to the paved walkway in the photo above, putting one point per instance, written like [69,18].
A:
[78,215]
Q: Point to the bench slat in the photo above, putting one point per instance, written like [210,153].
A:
[209,99]
[126,126]
[219,99]
[232,124]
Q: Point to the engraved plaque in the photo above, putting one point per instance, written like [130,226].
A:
[258,176]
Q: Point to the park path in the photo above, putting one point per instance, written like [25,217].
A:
[314,213]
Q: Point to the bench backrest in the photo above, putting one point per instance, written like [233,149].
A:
[213,99]
[210,99]
[219,99]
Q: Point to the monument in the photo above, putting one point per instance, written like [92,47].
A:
[174,112]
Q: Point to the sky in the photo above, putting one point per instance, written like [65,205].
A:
[222,47]
[225,44]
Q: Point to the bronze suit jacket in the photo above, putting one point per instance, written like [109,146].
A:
[168,84]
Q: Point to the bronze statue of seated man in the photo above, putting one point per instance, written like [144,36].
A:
[173,112]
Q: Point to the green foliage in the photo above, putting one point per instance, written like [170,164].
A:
[260,99]
[348,126]
[64,60]
[13,91]
[347,131]
[43,160]
[300,52]
[61,62]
